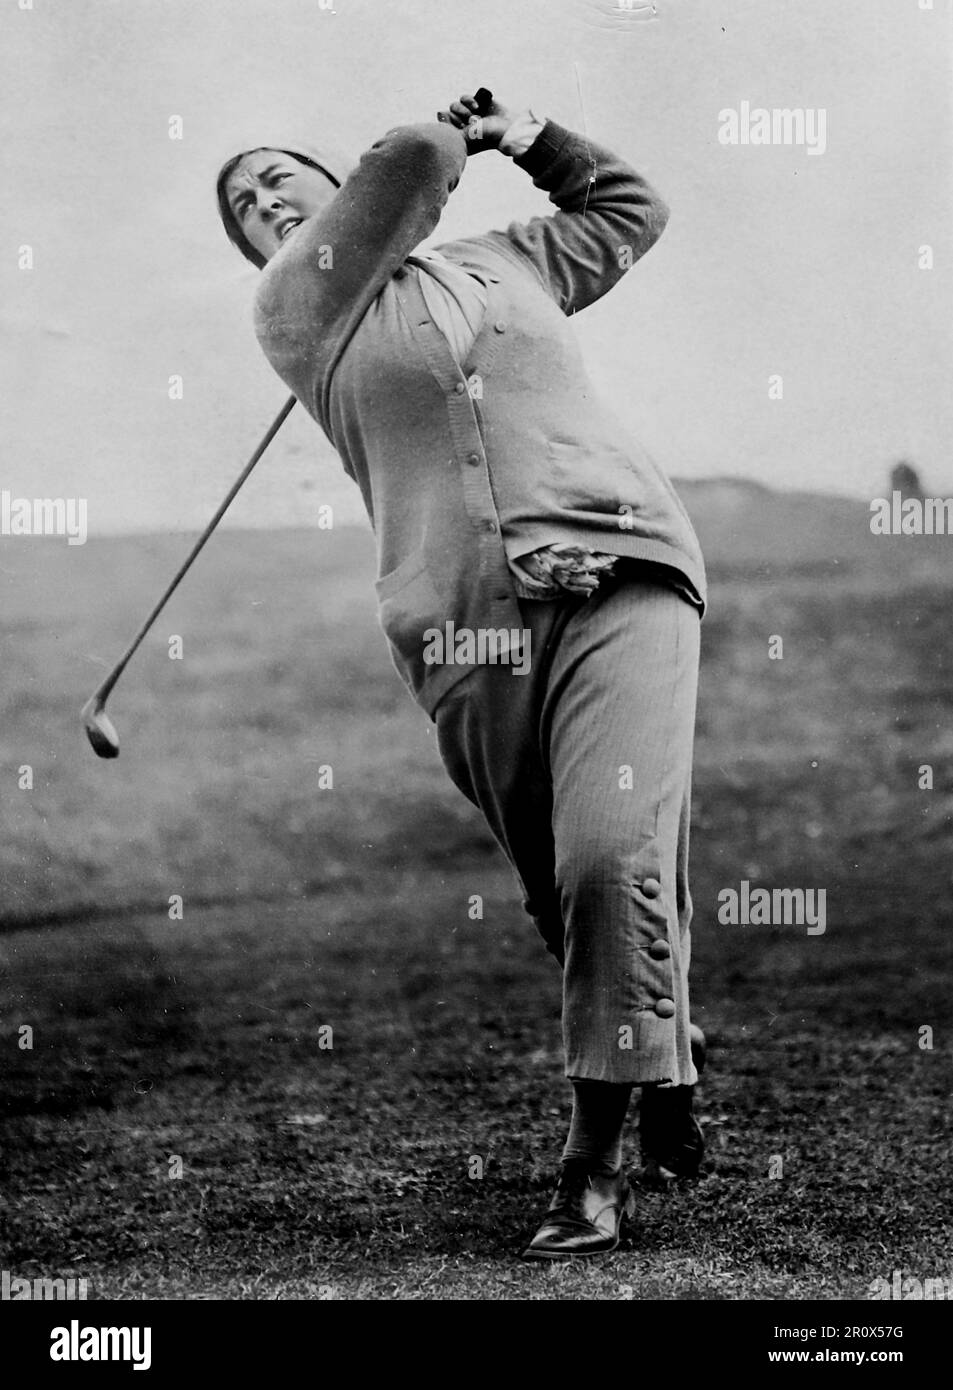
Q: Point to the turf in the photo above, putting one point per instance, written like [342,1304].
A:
[347,1171]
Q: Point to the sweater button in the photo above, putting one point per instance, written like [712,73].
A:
[459,388]
[474,459]
[490,527]
[500,325]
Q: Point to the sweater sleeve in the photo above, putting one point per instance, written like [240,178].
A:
[608,217]
[316,289]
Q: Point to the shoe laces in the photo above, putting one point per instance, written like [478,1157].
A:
[574,1183]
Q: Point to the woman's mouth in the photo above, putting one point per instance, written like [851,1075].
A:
[286,228]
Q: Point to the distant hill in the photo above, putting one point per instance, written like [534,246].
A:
[745,526]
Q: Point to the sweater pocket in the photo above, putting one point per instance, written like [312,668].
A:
[408,605]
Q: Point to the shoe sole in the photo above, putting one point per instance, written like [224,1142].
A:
[699,1047]
[652,1174]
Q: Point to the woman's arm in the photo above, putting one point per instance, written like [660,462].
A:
[316,290]
[608,217]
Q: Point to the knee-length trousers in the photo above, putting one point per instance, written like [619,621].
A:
[582,769]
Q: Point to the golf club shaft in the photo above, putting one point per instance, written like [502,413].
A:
[484,98]
[107,685]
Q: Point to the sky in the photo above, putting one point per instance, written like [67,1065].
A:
[775,261]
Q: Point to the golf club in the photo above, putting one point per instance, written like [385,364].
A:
[483,97]
[99,727]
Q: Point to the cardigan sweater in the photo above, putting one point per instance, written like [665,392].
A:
[457,304]
[456,301]
[450,457]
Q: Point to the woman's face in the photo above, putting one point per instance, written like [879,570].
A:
[270,194]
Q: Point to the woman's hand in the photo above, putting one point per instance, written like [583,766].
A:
[482,132]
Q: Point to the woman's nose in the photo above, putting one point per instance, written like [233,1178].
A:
[269,202]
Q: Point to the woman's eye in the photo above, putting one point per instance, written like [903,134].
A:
[241,209]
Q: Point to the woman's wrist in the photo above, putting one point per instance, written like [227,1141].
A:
[521,134]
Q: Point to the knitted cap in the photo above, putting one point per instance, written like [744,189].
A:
[333,165]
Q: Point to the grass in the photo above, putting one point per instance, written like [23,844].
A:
[344,1172]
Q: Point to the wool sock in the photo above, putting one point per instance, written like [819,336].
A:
[598,1118]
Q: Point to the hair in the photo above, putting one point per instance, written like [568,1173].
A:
[234,232]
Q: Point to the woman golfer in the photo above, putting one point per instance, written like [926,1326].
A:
[540,582]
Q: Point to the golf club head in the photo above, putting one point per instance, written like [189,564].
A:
[100,729]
